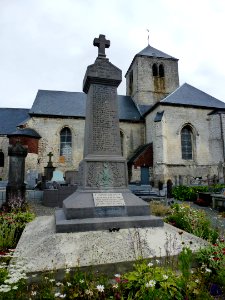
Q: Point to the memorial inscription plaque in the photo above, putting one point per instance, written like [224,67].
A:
[108,199]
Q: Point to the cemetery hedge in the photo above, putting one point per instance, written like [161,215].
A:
[190,193]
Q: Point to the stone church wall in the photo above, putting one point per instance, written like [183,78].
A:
[49,129]
[168,162]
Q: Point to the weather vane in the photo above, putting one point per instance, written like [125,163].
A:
[148,35]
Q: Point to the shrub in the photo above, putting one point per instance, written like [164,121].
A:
[11,227]
[192,221]
[190,193]
[159,209]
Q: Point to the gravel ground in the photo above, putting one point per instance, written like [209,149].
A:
[41,210]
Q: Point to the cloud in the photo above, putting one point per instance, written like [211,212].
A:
[47,44]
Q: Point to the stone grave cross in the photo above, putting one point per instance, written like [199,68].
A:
[50,159]
[101,43]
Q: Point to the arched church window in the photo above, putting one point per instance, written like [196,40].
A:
[122,142]
[155,70]
[187,142]
[161,70]
[1,158]
[66,143]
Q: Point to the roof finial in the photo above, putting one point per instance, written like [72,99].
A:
[148,36]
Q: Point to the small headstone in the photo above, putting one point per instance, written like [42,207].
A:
[169,188]
[31,178]
[57,176]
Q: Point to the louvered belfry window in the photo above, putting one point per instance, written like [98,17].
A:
[66,143]
[186,143]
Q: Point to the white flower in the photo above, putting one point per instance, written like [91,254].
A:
[57,294]
[208,270]
[69,284]
[67,270]
[51,280]
[165,277]
[100,288]
[62,296]
[150,264]
[5,288]
[151,283]
[81,280]
[196,280]
[15,287]
[33,293]
[115,286]
[157,261]
[59,283]
[117,275]
[89,292]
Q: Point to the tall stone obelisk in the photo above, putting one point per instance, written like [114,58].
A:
[103,200]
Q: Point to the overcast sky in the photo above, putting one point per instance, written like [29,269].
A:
[47,44]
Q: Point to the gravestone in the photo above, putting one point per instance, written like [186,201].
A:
[57,176]
[103,200]
[31,178]
[16,188]
[49,169]
[169,188]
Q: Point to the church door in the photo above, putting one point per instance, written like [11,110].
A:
[144,175]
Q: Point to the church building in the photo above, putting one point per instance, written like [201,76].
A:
[167,131]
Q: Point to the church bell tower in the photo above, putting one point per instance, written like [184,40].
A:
[151,76]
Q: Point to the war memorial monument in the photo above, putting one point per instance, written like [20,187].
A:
[103,200]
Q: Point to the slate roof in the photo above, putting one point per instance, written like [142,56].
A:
[10,118]
[153,52]
[144,108]
[191,96]
[73,104]
[25,132]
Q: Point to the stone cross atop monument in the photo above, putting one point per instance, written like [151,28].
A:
[103,200]
[101,43]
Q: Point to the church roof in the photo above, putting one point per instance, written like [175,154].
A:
[10,118]
[153,52]
[25,132]
[73,104]
[191,96]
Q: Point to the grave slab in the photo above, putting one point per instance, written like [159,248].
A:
[41,248]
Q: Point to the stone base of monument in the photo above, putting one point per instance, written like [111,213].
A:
[109,210]
[41,248]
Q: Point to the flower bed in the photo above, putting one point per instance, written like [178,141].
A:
[154,279]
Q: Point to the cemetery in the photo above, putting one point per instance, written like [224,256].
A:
[106,239]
